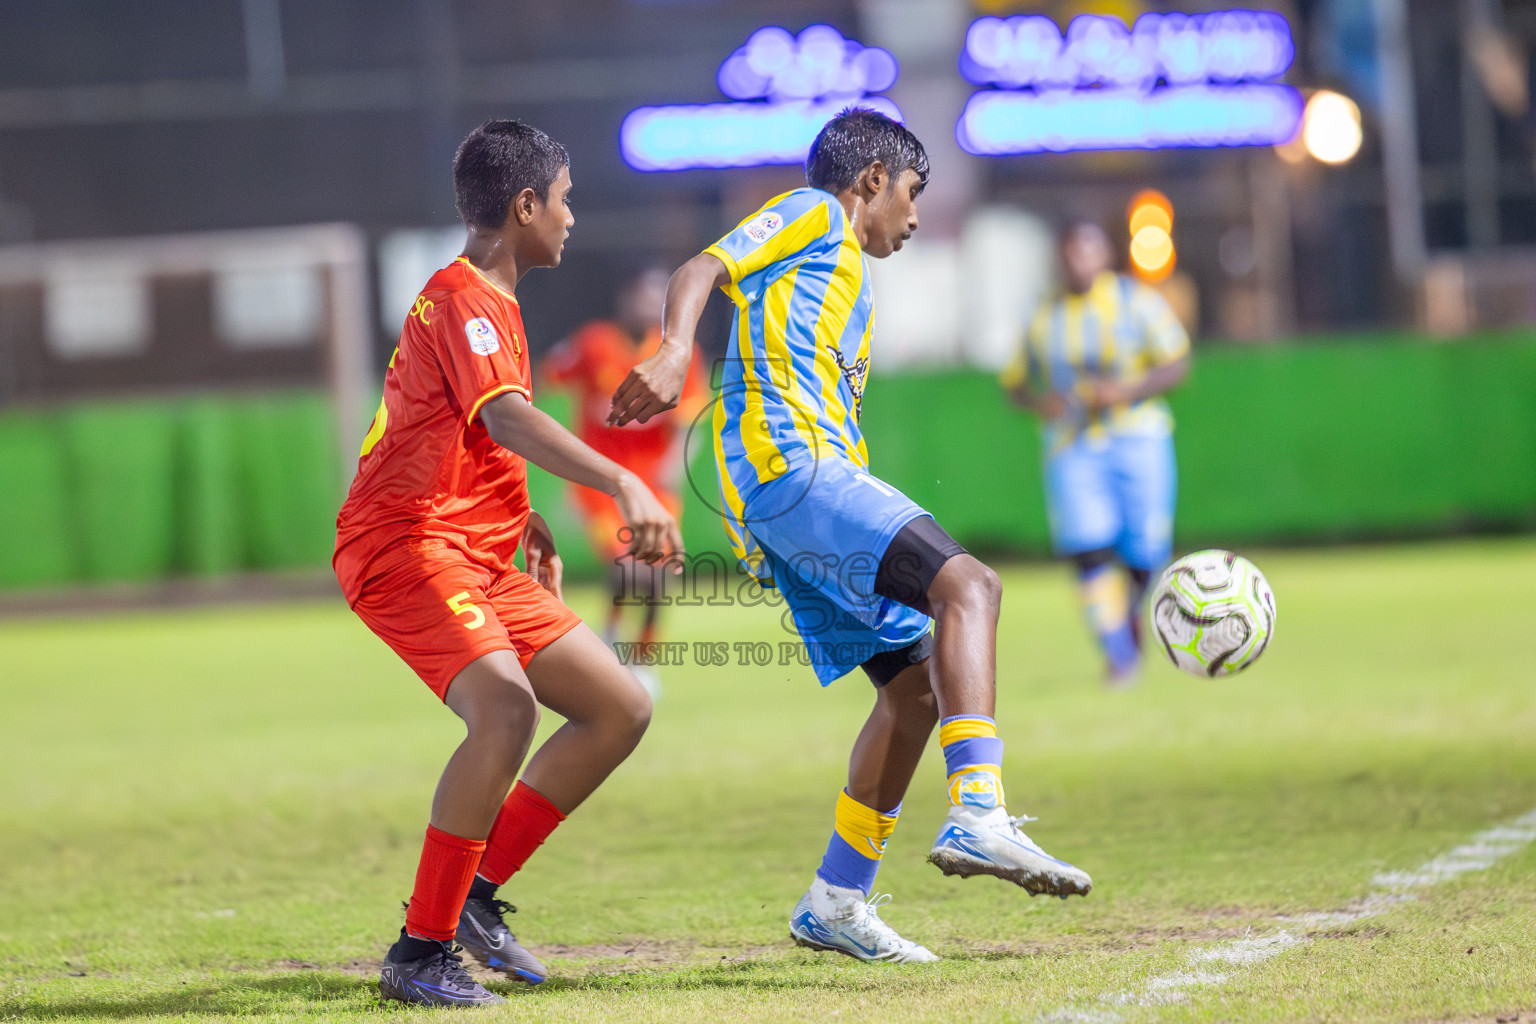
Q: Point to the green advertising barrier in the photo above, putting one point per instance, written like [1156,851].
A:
[144,490]
[120,458]
[1358,440]
[209,508]
[1329,440]
[1322,441]
[37,535]
[289,474]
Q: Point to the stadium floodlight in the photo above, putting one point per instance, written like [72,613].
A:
[1330,127]
[1150,216]
[1150,208]
[785,86]
[1152,252]
[1171,80]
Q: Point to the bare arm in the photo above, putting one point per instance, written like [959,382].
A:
[517,426]
[1158,380]
[655,385]
[1048,405]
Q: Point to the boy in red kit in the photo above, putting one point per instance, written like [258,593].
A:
[590,365]
[424,550]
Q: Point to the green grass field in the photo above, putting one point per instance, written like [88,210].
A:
[217,813]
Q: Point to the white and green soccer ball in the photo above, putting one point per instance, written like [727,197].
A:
[1213,613]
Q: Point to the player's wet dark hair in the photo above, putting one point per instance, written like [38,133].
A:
[496,162]
[856,138]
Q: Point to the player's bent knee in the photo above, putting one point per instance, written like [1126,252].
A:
[989,585]
[619,709]
[636,711]
[969,583]
[639,718]
[994,592]
[509,721]
[497,707]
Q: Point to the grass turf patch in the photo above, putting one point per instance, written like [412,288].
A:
[218,812]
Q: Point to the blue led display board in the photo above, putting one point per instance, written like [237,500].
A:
[785,87]
[1171,80]
[999,123]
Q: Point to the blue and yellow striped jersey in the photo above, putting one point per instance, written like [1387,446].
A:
[799,350]
[1118,329]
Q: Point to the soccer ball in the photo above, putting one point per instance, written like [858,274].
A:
[1213,612]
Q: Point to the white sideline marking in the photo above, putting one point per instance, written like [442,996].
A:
[1389,890]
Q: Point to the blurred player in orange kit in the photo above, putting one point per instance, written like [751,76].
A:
[424,548]
[591,364]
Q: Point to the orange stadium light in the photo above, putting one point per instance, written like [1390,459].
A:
[1150,208]
[1151,223]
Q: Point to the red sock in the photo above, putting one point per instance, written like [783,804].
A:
[442,881]
[525,821]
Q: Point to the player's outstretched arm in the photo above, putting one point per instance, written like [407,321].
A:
[654,385]
[517,426]
[1047,405]
[1159,380]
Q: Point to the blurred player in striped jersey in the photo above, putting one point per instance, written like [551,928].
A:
[1095,362]
[871,580]
[591,364]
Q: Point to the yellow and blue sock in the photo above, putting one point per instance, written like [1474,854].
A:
[973,756]
[857,844]
[1107,600]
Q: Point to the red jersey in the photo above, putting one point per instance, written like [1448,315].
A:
[429,474]
[592,364]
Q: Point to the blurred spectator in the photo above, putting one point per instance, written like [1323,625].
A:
[1094,363]
[591,364]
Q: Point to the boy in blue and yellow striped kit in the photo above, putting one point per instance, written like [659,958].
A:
[870,579]
[1095,363]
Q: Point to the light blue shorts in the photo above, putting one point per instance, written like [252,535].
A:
[824,527]
[1117,493]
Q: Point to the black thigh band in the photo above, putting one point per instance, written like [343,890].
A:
[913,559]
[885,666]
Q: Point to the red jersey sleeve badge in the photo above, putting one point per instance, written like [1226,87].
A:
[482,336]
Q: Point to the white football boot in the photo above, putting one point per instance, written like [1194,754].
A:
[842,920]
[987,841]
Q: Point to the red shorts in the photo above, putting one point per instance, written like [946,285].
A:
[439,611]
